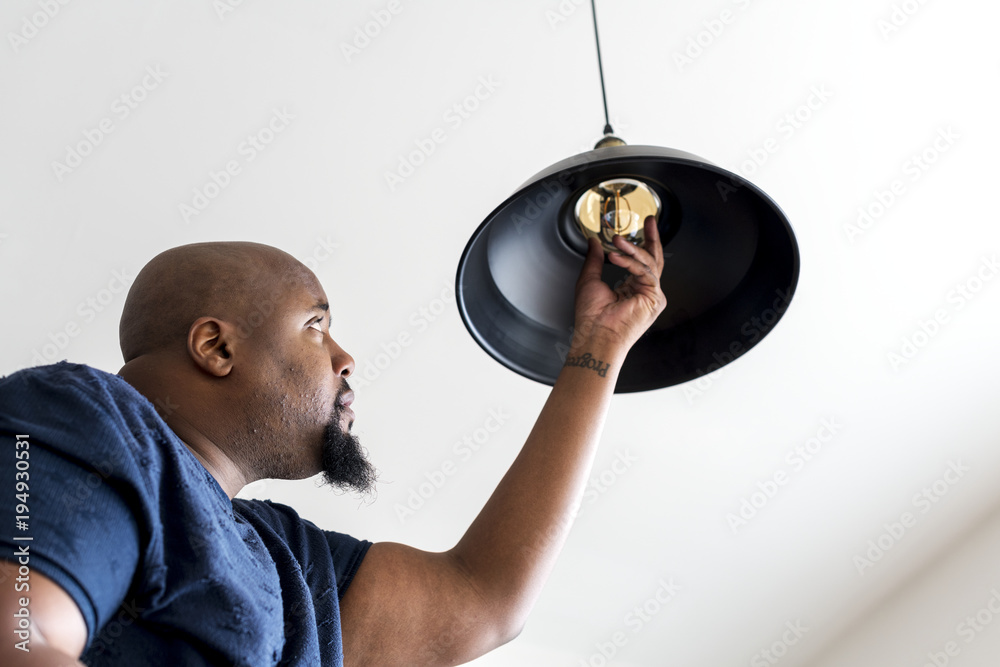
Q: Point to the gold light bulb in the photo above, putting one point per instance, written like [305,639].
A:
[618,206]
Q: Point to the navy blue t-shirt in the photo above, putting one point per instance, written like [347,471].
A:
[166,569]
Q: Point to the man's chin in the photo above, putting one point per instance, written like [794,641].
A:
[363,486]
[345,463]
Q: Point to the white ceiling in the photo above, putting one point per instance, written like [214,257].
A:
[319,191]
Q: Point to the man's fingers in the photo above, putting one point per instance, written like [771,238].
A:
[593,263]
[640,270]
[640,261]
[652,235]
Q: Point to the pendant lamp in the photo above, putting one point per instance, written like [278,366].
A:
[731,261]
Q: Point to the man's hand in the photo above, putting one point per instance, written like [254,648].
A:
[621,315]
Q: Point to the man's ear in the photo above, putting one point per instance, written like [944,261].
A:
[211,344]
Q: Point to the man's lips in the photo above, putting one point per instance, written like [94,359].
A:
[346,399]
[349,414]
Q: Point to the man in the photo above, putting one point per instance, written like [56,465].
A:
[133,551]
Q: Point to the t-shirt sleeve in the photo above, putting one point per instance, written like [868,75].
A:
[309,543]
[83,535]
[347,553]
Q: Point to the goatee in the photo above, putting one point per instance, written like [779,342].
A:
[345,462]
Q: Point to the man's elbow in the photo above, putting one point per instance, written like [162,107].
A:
[509,624]
[482,640]
[507,630]
[492,612]
[513,632]
[475,631]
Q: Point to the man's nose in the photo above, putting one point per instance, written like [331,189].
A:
[343,363]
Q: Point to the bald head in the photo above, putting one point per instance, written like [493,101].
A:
[218,279]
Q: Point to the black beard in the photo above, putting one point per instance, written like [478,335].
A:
[345,463]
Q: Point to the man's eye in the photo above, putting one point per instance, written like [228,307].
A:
[317,324]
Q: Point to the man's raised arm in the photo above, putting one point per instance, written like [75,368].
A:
[410,607]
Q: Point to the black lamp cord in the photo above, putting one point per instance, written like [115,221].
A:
[600,69]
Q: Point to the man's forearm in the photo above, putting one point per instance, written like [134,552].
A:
[512,545]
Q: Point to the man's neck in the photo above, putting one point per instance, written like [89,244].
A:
[177,406]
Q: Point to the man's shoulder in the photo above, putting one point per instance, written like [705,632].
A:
[82,412]
[66,384]
[64,369]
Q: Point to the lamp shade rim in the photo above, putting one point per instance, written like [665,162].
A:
[776,271]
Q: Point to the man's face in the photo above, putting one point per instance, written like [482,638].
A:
[300,385]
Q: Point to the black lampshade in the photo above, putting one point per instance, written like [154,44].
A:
[731,267]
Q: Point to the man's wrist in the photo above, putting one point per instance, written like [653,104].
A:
[588,361]
[591,338]
[598,354]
